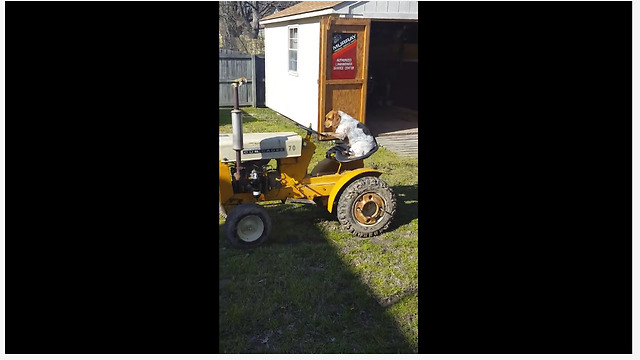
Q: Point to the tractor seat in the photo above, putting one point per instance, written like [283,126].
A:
[340,152]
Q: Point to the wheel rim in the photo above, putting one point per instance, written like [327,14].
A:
[250,228]
[368,209]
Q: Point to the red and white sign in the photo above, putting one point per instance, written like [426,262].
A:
[343,64]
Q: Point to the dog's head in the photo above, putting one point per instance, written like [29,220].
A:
[332,119]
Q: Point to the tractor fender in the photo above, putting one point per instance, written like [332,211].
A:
[346,180]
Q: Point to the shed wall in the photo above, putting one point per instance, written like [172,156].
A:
[396,10]
[294,96]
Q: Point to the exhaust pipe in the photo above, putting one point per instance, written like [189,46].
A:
[236,124]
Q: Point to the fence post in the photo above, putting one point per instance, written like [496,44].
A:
[253,82]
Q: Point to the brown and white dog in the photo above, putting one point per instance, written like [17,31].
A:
[346,127]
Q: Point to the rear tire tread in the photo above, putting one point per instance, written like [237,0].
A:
[356,189]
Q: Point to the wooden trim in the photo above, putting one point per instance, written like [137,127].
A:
[344,81]
[351,21]
[323,69]
[365,73]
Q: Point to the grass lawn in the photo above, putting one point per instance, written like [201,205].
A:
[315,288]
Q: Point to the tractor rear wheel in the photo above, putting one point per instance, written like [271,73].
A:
[366,207]
[247,225]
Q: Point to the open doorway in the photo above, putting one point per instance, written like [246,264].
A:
[392,88]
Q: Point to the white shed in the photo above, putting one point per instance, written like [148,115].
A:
[355,56]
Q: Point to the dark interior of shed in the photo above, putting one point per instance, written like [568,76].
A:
[393,65]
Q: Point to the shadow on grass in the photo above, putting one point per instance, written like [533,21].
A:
[406,206]
[224,116]
[294,294]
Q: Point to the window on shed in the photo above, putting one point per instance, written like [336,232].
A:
[293,48]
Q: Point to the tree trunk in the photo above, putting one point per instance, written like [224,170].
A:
[255,22]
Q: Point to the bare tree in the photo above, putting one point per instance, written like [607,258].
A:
[243,18]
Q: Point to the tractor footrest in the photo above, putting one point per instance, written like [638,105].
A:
[301,201]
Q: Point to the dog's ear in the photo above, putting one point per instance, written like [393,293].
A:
[330,115]
[334,116]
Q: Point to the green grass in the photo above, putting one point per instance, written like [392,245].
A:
[315,288]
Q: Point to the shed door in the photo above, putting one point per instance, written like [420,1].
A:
[344,55]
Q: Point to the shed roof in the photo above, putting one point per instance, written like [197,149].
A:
[303,7]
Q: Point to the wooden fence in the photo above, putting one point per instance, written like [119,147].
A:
[234,64]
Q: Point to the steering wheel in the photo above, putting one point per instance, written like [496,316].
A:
[309,130]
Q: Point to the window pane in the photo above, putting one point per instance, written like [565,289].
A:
[293,47]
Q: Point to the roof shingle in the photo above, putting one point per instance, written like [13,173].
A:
[303,7]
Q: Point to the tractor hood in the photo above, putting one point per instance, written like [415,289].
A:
[259,146]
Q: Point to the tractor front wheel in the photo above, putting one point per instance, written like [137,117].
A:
[366,207]
[247,225]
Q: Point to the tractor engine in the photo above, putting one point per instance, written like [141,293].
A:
[256,175]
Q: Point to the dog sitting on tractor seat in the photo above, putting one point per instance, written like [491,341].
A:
[358,136]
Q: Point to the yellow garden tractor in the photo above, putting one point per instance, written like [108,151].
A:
[364,203]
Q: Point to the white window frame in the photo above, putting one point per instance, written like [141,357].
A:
[290,49]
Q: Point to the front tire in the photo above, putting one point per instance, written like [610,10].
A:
[247,225]
[366,207]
